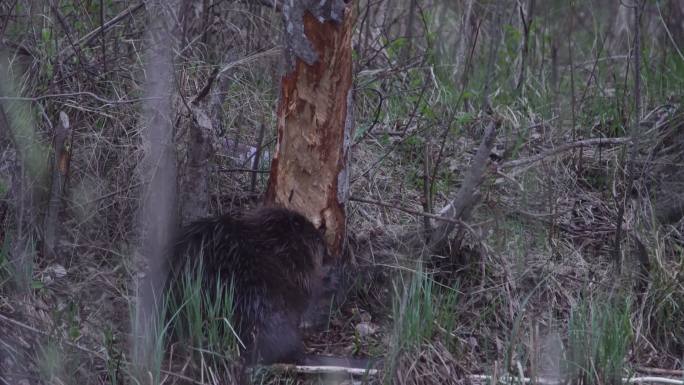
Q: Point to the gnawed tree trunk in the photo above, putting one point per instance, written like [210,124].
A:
[60,171]
[309,169]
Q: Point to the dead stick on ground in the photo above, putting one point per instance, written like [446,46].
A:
[563,148]
[479,378]
[306,369]
[414,212]
[672,372]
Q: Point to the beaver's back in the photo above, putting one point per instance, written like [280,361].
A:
[273,258]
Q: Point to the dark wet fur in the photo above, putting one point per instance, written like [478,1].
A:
[274,258]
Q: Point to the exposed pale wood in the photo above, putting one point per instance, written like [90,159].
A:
[307,369]
[60,171]
[314,118]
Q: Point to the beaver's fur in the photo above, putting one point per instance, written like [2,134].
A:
[274,259]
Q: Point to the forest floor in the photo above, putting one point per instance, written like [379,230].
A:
[528,287]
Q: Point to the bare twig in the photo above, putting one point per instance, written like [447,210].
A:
[274,4]
[634,132]
[465,79]
[412,116]
[207,87]
[427,201]
[90,36]
[249,59]
[257,155]
[67,31]
[243,170]
[376,119]
[103,38]
[669,34]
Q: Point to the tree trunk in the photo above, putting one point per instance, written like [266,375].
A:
[60,171]
[309,168]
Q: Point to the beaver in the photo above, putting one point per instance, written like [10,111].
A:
[275,261]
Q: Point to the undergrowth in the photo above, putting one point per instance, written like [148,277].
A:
[528,288]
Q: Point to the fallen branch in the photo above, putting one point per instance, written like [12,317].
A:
[354,371]
[671,372]
[481,378]
[307,369]
[565,147]
[410,211]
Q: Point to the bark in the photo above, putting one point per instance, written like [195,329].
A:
[463,40]
[29,174]
[526,20]
[158,212]
[314,116]
[203,125]
[410,26]
[195,182]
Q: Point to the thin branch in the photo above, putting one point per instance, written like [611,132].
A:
[90,36]
[207,87]
[257,155]
[274,4]
[243,170]
[427,202]
[412,116]
[669,34]
[634,133]
[378,110]
[67,32]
